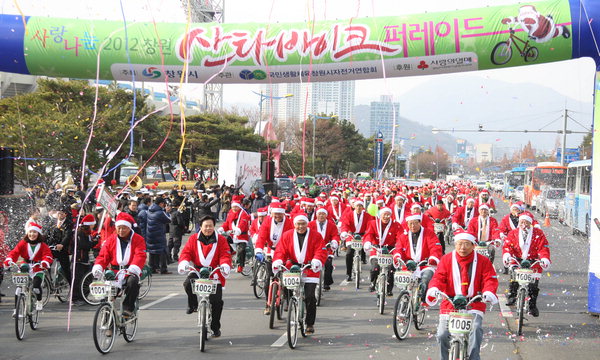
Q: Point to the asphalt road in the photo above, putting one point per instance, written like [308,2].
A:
[348,325]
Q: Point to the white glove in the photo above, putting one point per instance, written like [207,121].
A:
[316,265]
[134,269]
[254,239]
[367,246]
[220,230]
[334,245]
[276,264]
[455,226]
[489,297]
[431,298]
[237,232]
[225,270]
[545,263]
[344,235]
[97,271]
[506,259]
[183,267]
[121,279]
[502,236]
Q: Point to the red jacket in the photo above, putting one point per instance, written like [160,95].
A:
[330,235]
[434,213]
[399,218]
[430,249]
[375,231]
[493,232]
[348,225]
[484,279]
[336,215]
[254,228]
[267,241]
[288,252]
[241,220]
[506,225]
[459,216]
[134,255]
[214,254]
[41,254]
[538,249]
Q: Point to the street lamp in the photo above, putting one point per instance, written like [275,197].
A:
[264,97]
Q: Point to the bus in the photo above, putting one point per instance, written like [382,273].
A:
[577,200]
[512,179]
[550,174]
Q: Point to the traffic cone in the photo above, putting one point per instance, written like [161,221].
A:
[547,220]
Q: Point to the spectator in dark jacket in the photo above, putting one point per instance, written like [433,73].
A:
[60,235]
[156,240]
[81,258]
[142,217]
[132,209]
[202,208]
[177,228]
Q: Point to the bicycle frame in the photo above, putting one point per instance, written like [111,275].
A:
[511,41]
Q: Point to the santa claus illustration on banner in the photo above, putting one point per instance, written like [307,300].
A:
[540,28]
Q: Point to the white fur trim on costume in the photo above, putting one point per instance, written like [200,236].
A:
[414,217]
[323,210]
[415,206]
[45,262]
[123,223]
[299,218]
[276,264]
[34,228]
[437,261]
[134,269]
[525,217]
[385,210]
[490,296]
[277,211]
[236,204]
[484,206]
[465,236]
[182,266]
[432,292]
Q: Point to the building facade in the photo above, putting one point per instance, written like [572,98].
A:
[382,116]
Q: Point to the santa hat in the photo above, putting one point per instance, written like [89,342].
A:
[322,195]
[124,219]
[414,217]
[274,199]
[359,202]
[380,201]
[32,225]
[334,197]
[464,235]
[278,208]
[88,220]
[526,216]
[319,202]
[262,211]
[515,205]
[484,207]
[484,192]
[322,209]
[400,196]
[470,200]
[310,201]
[385,210]
[416,206]
[300,217]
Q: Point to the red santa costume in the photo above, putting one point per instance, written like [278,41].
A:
[270,232]
[334,208]
[532,247]
[399,211]
[355,223]
[255,226]
[490,201]
[427,246]
[485,229]
[467,276]
[380,234]
[463,215]
[31,253]
[238,222]
[329,231]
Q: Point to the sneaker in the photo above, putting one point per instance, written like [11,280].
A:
[349,278]
[240,269]
[216,333]
[39,305]
[372,288]
[190,310]
[127,314]
[267,311]
[533,310]
[389,294]
[326,288]
[309,330]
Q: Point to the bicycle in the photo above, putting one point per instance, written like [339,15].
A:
[408,305]
[55,283]
[88,279]
[275,299]
[502,52]
[292,280]
[249,258]
[487,249]
[108,319]
[460,325]
[385,260]
[25,309]
[356,245]
[524,275]
[203,287]
[320,284]
[260,278]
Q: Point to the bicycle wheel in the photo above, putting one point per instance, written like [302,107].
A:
[521,309]
[302,318]
[20,317]
[260,282]
[402,315]
[247,268]
[531,54]
[105,328]
[292,324]
[357,272]
[319,290]
[85,289]
[273,304]
[130,328]
[46,289]
[34,316]
[381,284]
[203,326]
[145,285]
[282,304]
[455,350]
[418,310]
[502,53]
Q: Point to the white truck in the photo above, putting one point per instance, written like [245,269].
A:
[239,168]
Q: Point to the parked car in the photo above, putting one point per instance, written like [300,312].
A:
[285,187]
[549,201]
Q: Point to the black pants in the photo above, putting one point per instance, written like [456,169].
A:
[241,253]
[534,291]
[132,290]
[37,287]
[216,301]
[174,246]
[376,269]
[441,239]
[350,259]
[311,303]
[158,261]
[80,271]
[65,263]
[328,276]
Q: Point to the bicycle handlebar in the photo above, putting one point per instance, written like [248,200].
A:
[304,267]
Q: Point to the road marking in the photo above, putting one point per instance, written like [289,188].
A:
[504,310]
[281,341]
[158,301]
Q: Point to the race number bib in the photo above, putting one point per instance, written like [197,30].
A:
[525,276]
[20,279]
[438,227]
[402,278]
[291,280]
[385,259]
[99,289]
[356,245]
[482,250]
[204,287]
[460,323]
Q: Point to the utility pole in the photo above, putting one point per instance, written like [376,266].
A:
[564,142]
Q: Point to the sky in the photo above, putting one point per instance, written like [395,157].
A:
[571,80]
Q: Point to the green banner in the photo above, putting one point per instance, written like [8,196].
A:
[419,44]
